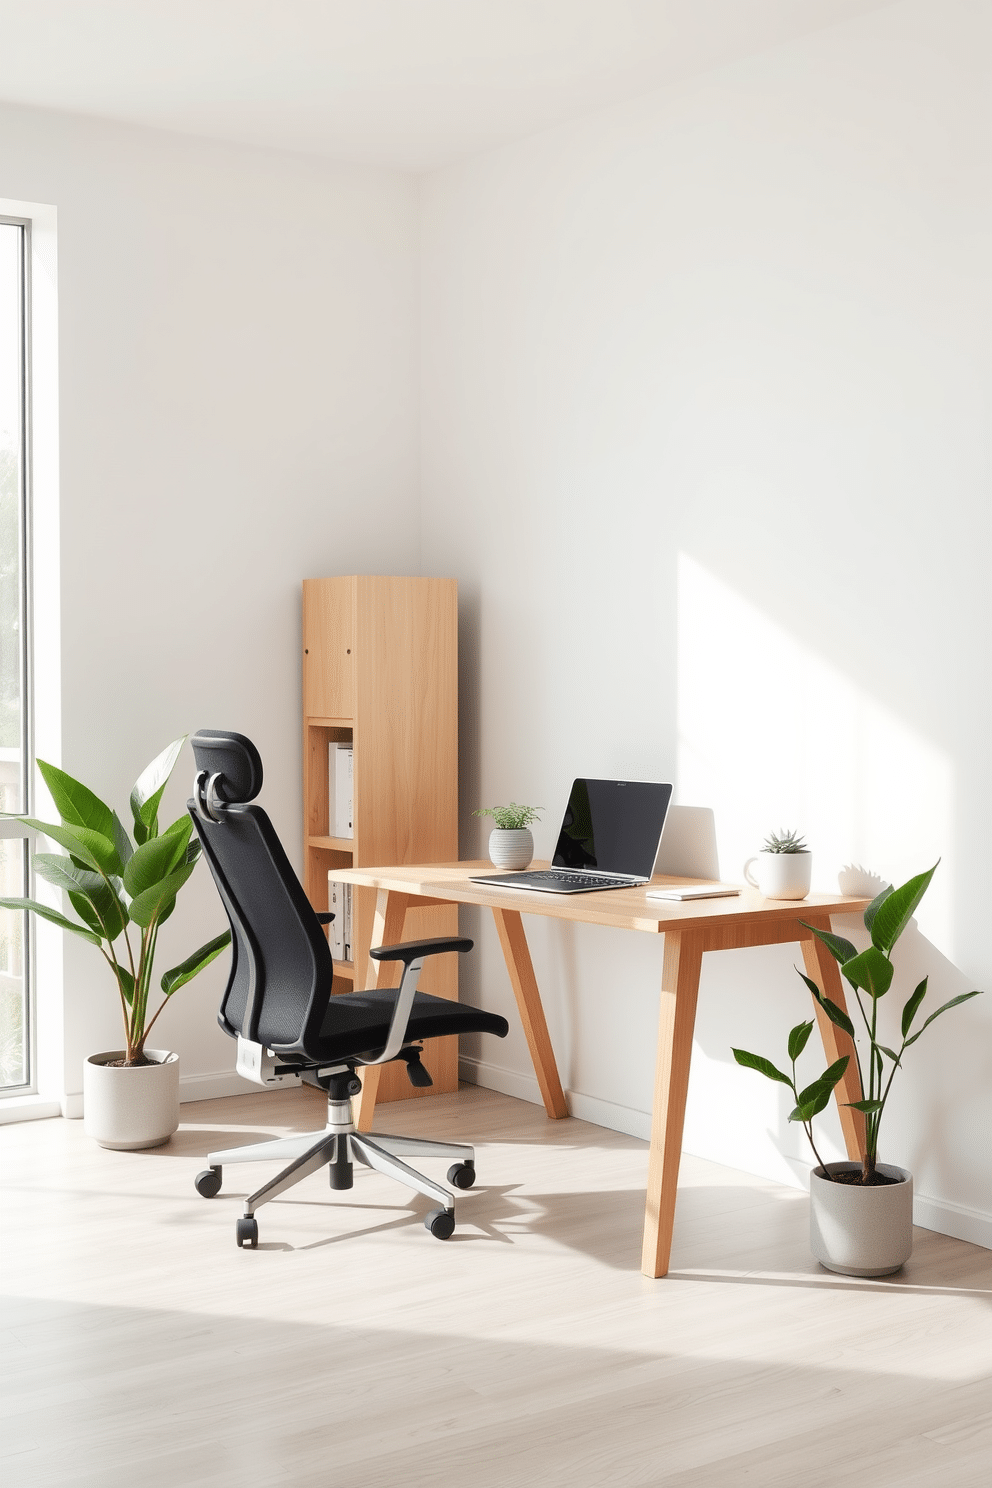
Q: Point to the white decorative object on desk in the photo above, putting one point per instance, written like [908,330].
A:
[784,867]
[511,848]
[511,844]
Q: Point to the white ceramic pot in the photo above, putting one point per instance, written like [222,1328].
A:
[130,1108]
[511,849]
[780,875]
[861,1231]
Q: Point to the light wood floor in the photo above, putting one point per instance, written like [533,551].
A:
[141,1347]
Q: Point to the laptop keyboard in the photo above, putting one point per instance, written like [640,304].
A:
[575,880]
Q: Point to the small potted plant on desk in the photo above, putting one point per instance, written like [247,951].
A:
[511,842]
[861,1213]
[784,868]
[130,1095]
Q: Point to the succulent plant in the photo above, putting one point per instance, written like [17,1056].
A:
[784,841]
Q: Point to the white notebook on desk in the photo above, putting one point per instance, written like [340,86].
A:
[680,892]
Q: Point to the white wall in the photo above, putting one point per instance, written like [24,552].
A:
[237,356]
[706,382]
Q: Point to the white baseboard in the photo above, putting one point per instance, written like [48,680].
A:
[941,1215]
[27,1108]
[213,1087]
[953,1219]
[191,1088]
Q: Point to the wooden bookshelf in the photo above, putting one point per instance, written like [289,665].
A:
[380,671]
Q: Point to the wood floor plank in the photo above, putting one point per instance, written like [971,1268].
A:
[138,1344]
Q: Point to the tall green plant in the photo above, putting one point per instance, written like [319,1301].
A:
[869,973]
[122,891]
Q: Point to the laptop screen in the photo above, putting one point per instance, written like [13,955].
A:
[613,825]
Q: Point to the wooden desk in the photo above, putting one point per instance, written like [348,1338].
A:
[690,930]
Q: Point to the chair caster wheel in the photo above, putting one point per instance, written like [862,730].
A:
[208,1183]
[462,1175]
[441,1223]
[247,1233]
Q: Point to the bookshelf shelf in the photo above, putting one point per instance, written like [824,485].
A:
[380,659]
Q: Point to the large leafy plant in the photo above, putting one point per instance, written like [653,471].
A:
[122,891]
[869,973]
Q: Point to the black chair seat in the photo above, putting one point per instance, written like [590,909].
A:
[358,1022]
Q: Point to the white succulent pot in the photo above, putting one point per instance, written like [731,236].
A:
[130,1108]
[511,848]
[780,875]
[861,1231]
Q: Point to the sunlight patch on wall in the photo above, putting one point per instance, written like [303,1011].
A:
[770,735]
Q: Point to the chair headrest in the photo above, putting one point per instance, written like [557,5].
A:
[233,759]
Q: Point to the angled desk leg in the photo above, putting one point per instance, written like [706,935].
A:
[387,929]
[676,1019]
[822,969]
[518,963]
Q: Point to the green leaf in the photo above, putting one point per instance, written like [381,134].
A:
[153,902]
[93,899]
[871,971]
[122,841]
[126,981]
[964,997]
[875,906]
[867,1106]
[797,1039]
[91,848]
[146,793]
[53,916]
[158,858]
[188,969]
[808,1109]
[763,1066]
[827,1080]
[75,804]
[897,909]
[842,950]
[891,1054]
[912,1007]
[834,1013]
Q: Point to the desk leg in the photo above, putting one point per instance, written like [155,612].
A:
[518,963]
[822,969]
[387,929]
[676,1019]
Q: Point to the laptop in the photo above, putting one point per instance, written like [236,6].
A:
[609,839]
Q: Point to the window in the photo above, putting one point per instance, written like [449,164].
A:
[15,712]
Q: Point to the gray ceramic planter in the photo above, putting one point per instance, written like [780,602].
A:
[861,1231]
[511,848]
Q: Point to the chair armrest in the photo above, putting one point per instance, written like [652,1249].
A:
[410,949]
[412,954]
[323,917]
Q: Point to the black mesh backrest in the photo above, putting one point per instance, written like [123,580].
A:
[281,971]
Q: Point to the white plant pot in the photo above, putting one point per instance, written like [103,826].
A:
[780,875]
[130,1108]
[511,849]
[861,1231]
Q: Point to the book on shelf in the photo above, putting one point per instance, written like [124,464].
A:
[339,930]
[340,790]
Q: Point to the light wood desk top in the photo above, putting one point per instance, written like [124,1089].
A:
[624,909]
[690,928]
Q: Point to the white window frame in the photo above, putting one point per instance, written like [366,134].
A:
[45,1094]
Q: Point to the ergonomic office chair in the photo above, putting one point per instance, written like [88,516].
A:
[278,1002]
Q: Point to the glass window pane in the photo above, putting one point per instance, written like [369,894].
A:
[13,986]
[11,508]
